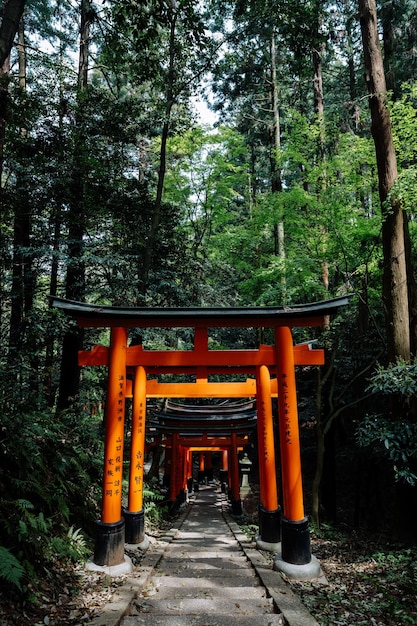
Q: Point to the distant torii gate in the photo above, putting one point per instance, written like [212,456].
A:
[279,360]
[205,430]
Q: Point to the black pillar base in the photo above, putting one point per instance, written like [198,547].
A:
[182,497]
[190,483]
[270,525]
[201,476]
[223,476]
[134,526]
[237,507]
[109,549]
[295,538]
[173,507]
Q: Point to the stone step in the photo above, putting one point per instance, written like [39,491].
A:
[205,589]
[203,570]
[203,620]
[202,606]
[175,552]
[215,582]
[229,562]
[205,540]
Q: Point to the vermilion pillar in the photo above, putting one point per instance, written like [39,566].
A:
[135,515]
[201,467]
[209,466]
[167,466]
[174,470]
[269,513]
[190,471]
[186,483]
[224,460]
[109,549]
[235,499]
[181,480]
[294,525]
[224,471]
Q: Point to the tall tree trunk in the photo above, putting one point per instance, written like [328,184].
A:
[395,296]
[157,208]
[22,270]
[56,224]
[387,14]
[394,288]
[349,47]
[276,179]
[75,278]
[324,485]
[4,94]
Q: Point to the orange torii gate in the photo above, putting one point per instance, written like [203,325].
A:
[279,360]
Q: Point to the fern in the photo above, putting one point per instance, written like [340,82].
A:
[73,547]
[11,570]
[152,496]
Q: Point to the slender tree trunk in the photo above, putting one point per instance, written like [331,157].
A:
[157,208]
[75,278]
[56,224]
[412,288]
[395,296]
[4,94]
[350,47]
[319,112]
[276,179]
[387,14]
[22,270]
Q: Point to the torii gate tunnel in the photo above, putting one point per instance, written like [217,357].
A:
[270,371]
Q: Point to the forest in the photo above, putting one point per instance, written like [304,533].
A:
[175,154]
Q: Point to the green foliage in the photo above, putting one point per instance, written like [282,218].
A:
[153,498]
[393,438]
[72,547]
[11,570]
[398,378]
[53,465]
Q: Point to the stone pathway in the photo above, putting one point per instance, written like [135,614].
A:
[204,577]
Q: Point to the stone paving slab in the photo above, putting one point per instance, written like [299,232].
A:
[208,540]
[210,559]
[200,570]
[203,620]
[206,582]
[203,589]
[180,605]
[201,545]
[181,552]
